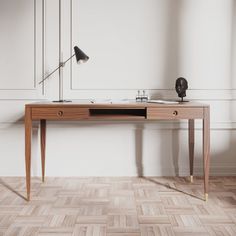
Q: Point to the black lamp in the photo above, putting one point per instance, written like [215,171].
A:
[81,57]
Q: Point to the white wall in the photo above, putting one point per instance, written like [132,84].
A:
[132,44]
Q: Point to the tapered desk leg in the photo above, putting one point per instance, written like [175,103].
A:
[28,134]
[43,143]
[206,149]
[191,146]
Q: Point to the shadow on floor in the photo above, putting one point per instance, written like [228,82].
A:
[172,188]
[4,184]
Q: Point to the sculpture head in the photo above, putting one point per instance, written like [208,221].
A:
[181,85]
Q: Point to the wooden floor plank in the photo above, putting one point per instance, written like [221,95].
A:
[124,206]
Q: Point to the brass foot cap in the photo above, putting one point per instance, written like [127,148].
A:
[206,196]
[191,178]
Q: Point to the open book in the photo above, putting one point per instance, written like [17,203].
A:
[163,101]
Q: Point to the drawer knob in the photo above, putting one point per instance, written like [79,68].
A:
[60,113]
[175,113]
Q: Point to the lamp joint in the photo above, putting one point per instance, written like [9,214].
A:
[62,64]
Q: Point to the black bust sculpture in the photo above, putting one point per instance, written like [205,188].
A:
[181,85]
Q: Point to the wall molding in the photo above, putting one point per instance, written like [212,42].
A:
[38,57]
[38,93]
[34,56]
[205,95]
[192,94]
[196,93]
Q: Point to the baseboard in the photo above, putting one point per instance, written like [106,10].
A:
[214,171]
[198,171]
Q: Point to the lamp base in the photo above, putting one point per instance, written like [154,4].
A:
[182,100]
[62,101]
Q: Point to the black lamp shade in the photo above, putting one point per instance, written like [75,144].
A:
[81,57]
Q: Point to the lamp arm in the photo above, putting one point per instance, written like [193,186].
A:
[60,65]
[50,74]
[68,59]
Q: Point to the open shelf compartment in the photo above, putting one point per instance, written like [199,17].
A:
[134,113]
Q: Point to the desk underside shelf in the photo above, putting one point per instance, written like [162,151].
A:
[119,114]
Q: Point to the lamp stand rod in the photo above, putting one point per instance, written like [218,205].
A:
[61,78]
[61,65]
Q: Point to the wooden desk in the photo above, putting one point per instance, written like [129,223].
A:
[130,111]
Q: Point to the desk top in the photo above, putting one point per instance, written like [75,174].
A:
[129,104]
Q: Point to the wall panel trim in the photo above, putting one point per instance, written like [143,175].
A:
[38,57]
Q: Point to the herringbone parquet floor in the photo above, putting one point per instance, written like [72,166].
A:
[117,207]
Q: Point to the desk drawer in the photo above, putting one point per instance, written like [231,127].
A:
[173,113]
[60,113]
